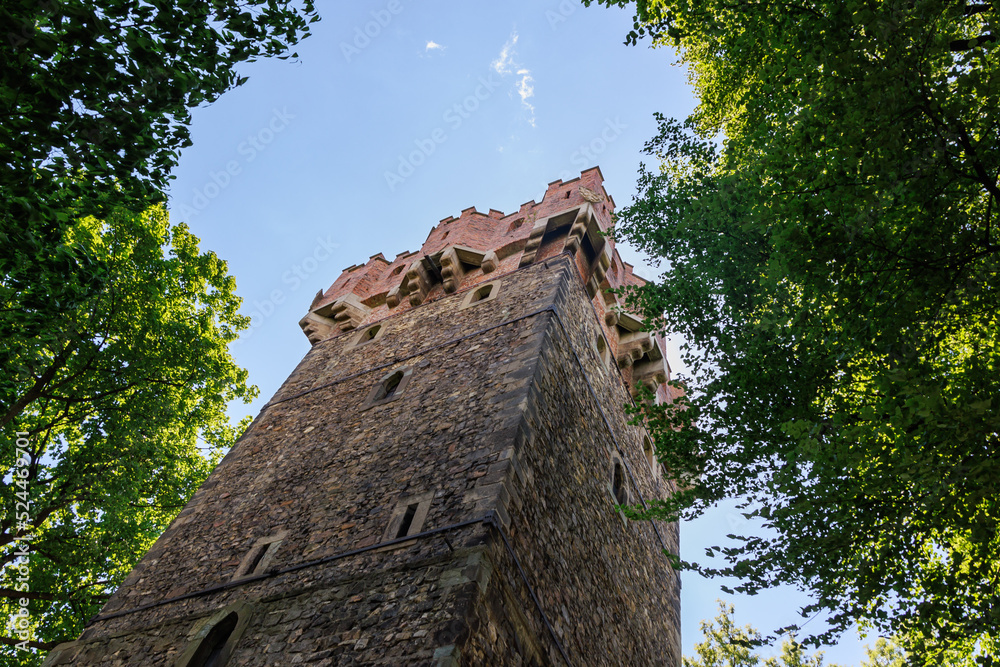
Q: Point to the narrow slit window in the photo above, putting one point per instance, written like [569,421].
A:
[209,653]
[258,555]
[404,527]
[602,350]
[618,484]
[367,335]
[647,447]
[390,386]
[482,293]
[408,517]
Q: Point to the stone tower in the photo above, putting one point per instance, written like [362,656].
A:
[436,482]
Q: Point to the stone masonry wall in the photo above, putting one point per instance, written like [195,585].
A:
[504,431]
[605,585]
[327,472]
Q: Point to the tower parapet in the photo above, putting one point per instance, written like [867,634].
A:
[574,217]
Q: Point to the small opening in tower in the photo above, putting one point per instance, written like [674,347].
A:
[602,349]
[408,517]
[389,386]
[482,293]
[618,484]
[209,653]
[370,333]
[398,270]
[647,448]
[515,225]
[404,527]
[258,555]
[444,236]
[568,192]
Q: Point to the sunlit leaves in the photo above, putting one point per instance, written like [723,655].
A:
[113,325]
[725,644]
[105,89]
[117,372]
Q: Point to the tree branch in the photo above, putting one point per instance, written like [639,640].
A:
[41,646]
[971,10]
[14,594]
[966,44]
[36,390]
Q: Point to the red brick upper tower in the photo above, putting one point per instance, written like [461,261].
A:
[573,217]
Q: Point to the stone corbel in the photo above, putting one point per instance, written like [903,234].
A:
[418,282]
[578,230]
[612,308]
[348,312]
[394,296]
[650,374]
[632,348]
[600,270]
[490,262]
[644,384]
[316,327]
[451,269]
[534,242]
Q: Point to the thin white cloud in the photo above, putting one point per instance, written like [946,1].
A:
[526,89]
[432,46]
[505,64]
[502,65]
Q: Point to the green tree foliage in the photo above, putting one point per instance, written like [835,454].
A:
[725,644]
[113,329]
[890,653]
[884,654]
[104,87]
[117,375]
[728,645]
[827,220]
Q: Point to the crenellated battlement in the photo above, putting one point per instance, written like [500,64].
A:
[460,253]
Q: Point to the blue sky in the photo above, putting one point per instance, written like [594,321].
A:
[398,114]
